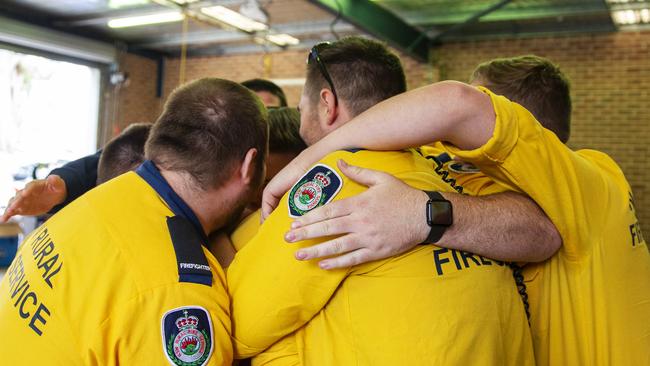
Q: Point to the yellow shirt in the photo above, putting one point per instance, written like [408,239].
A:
[590,302]
[246,230]
[428,306]
[98,281]
[459,174]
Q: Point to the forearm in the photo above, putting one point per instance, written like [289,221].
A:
[79,176]
[504,226]
[449,111]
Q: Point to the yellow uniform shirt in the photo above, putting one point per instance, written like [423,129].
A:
[465,177]
[590,302]
[246,230]
[98,284]
[429,306]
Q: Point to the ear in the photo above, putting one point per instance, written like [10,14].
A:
[248,167]
[330,108]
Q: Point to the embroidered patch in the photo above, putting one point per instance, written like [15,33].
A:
[187,336]
[316,188]
[461,167]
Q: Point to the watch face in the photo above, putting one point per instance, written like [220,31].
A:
[441,213]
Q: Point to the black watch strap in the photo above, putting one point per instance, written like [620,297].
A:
[439,214]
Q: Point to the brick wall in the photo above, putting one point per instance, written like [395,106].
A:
[137,97]
[610,80]
[610,75]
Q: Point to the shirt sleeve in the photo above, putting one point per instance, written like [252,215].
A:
[526,157]
[79,176]
[272,293]
[184,322]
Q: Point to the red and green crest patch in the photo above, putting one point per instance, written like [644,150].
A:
[187,336]
[316,188]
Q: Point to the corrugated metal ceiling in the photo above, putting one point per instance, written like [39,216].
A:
[310,21]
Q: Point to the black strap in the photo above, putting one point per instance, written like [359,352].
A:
[192,264]
[439,213]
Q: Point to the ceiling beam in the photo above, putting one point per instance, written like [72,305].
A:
[296,29]
[150,8]
[382,24]
[507,13]
[227,50]
[474,18]
[48,40]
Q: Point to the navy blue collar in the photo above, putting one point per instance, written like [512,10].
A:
[151,175]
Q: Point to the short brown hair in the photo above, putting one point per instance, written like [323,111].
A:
[364,72]
[207,126]
[123,153]
[284,131]
[535,83]
[257,85]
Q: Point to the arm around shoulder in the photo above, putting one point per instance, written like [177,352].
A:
[504,226]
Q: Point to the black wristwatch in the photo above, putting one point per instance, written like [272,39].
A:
[439,215]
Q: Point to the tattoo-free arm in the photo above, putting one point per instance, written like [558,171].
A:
[505,226]
[389,219]
[445,111]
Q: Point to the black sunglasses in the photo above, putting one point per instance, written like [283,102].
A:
[313,55]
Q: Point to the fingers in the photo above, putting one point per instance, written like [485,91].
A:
[336,246]
[336,226]
[279,185]
[350,259]
[6,215]
[55,184]
[329,211]
[269,203]
[13,208]
[352,253]
[367,177]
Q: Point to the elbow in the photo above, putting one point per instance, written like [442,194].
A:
[471,118]
[455,91]
[551,241]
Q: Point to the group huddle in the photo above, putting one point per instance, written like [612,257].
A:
[446,225]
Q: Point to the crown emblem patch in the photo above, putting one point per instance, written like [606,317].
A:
[316,188]
[187,336]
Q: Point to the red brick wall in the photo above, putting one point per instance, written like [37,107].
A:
[137,97]
[610,80]
[610,75]
[284,65]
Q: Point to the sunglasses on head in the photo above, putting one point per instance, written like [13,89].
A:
[313,55]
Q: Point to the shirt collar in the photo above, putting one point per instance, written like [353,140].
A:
[150,173]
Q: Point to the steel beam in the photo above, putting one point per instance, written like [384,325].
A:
[507,14]
[382,24]
[296,29]
[456,27]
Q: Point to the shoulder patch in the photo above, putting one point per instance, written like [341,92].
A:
[187,336]
[461,167]
[316,188]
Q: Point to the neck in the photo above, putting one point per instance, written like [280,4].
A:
[208,206]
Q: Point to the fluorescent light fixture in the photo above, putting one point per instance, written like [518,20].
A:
[283,39]
[183,2]
[116,4]
[233,18]
[146,19]
[631,17]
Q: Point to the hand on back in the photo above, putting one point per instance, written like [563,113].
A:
[376,224]
[38,197]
